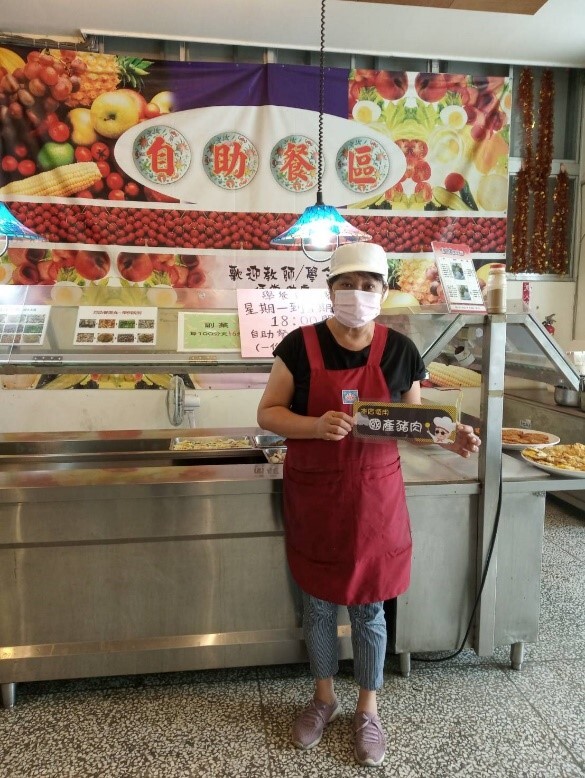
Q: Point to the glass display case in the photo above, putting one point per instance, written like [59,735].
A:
[39,335]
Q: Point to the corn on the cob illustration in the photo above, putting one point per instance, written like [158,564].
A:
[453,375]
[60,182]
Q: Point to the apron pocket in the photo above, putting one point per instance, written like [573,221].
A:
[318,513]
[384,525]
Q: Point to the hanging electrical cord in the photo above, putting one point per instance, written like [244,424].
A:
[481,586]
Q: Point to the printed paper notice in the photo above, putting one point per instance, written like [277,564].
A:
[112,326]
[267,315]
[208,331]
[459,279]
[23,325]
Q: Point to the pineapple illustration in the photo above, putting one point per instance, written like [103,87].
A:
[98,73]
[418,277]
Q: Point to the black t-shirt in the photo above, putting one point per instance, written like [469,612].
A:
[401,362]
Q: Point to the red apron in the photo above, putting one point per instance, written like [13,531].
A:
[347,527]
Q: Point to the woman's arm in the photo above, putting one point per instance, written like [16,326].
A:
[274,412]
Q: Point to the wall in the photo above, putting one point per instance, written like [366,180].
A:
[90,410]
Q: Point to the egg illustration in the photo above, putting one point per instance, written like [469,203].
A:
[454,116]
[366,111]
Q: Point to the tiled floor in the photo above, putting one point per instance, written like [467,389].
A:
[471,717]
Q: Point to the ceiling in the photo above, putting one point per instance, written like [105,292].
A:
[497,6]
[554,35]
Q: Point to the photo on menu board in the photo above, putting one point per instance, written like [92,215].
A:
[458,277]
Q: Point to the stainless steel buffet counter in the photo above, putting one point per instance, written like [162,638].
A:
[118,556]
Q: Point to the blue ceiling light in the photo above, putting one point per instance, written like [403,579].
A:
[10,227]
[320,227]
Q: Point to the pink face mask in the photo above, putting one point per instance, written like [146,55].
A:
[354,308]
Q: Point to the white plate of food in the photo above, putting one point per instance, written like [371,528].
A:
[567,460]
[517,439]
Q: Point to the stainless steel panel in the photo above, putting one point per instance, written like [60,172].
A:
[519,563]
[131,591]
[434,612]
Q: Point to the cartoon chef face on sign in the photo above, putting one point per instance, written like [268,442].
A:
[444,427]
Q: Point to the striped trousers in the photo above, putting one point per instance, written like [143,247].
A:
[368,639]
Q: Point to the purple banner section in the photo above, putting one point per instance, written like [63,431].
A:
[203,84]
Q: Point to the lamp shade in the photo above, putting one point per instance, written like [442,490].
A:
[10,227]
[321,227]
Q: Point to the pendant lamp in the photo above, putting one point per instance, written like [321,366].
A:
[320,227]
[10,227]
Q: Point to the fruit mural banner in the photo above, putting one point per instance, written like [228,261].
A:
[153,180]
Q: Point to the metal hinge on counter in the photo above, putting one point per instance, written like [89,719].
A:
[47,358]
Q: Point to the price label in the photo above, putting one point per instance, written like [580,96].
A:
[208,331]
[267,315]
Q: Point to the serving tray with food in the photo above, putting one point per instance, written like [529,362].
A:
[275,455]
[516,438]
[212,444]
[568,459]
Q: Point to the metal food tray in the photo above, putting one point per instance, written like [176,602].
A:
[212,445]
[275,451]
[269,441]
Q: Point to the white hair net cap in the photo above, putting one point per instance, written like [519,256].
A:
[359,257]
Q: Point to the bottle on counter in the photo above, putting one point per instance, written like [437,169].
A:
[496,289]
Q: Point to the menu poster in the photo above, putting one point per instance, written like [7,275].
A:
[458,276]
[208,331]
[23,325]
[112,326]
[267,315]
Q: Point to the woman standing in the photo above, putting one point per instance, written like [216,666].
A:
[347,528]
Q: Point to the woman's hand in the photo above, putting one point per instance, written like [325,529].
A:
[333,425]
[466,441]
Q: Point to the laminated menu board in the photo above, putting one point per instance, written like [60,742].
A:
[458,277]
[383,421]
[113,326]
[267,315]
[23,325]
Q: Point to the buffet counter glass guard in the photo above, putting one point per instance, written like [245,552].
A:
[119,555]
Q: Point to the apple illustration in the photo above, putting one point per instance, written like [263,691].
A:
[54,155]
[189,260]
[16,256]
[391,86]
[165,101]
[138,99]
[151,111]
[82,132]
[20,256]
[112,113]
[135,267]
[431,87]
[92,265]
[26,273]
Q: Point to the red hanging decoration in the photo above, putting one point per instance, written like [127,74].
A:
[520,237]
[541,173]
[558,261]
